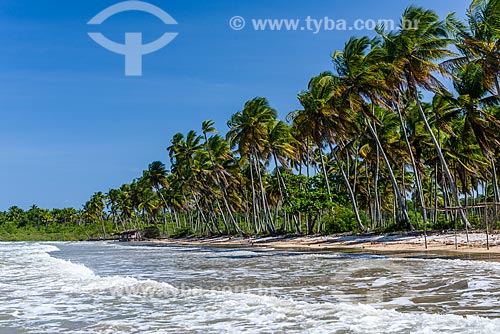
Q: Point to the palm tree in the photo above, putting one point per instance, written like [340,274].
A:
[148,200]
[315,121]
[190,162]
[479,41]
[280,148]
[113,205]
[156,177]
[474,102]
[362,82]
[417,51]
[319,121]
[219,153]
[397,101]
[248,130]
[94,209]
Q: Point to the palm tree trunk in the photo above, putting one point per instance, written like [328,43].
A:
[222,190]
[485,187]
[416,174]
[497,86]
[325,174]
[285,190]
[370,205]
[397,193]
[308,162]
[254,204]
[436,195]
[349,189]
[201,214]
[442,160]
[267,212]
[495,188]
[224,221]
[103,228]
[356,163]
[378,203]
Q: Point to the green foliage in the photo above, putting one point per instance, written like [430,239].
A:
[342,220]
[38,224]
[444,225]
[10,232]
[181,232]
[151,232]
[308,195]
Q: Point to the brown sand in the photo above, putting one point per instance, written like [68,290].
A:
[437,243]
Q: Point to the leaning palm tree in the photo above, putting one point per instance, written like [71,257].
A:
[398,101]
[113,205]
[147,200]
[218,150]
[478,41]
[248,131]
[363,86]
[417,52]
[156,177]
[94,210]
[280,149]
[475,103]
[315,120]
[320,122]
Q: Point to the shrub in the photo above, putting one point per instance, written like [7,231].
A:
[342,220]
[181,232]
[151,232]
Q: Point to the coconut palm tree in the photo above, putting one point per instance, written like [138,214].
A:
[475,103]
[281,149]
[219,153]
[94,210]
[478,41]
[417,52]
[320,122]
[248,131]
[362,84]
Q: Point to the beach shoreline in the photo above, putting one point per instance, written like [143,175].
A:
[439,243]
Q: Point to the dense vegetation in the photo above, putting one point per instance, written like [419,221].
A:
[365,152]
[38,224]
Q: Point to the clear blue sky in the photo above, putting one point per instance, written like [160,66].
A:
[72,123]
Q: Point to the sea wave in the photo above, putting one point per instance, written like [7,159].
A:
[27,248]
[226,310]
[251,312]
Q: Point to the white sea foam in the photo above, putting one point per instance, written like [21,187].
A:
[271,314]
[383,281]
[318,256]
[53,291]
[235,253]
[27,248]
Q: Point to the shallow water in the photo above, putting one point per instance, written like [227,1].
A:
[118,288]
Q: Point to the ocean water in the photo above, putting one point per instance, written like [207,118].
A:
[119,288]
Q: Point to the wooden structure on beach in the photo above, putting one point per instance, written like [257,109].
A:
[130,235]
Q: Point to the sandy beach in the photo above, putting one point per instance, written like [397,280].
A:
[447,242]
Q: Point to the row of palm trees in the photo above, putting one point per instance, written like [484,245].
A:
[404,130]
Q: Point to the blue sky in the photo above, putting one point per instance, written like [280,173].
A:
[72,123]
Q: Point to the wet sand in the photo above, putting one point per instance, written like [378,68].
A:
[438,243]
